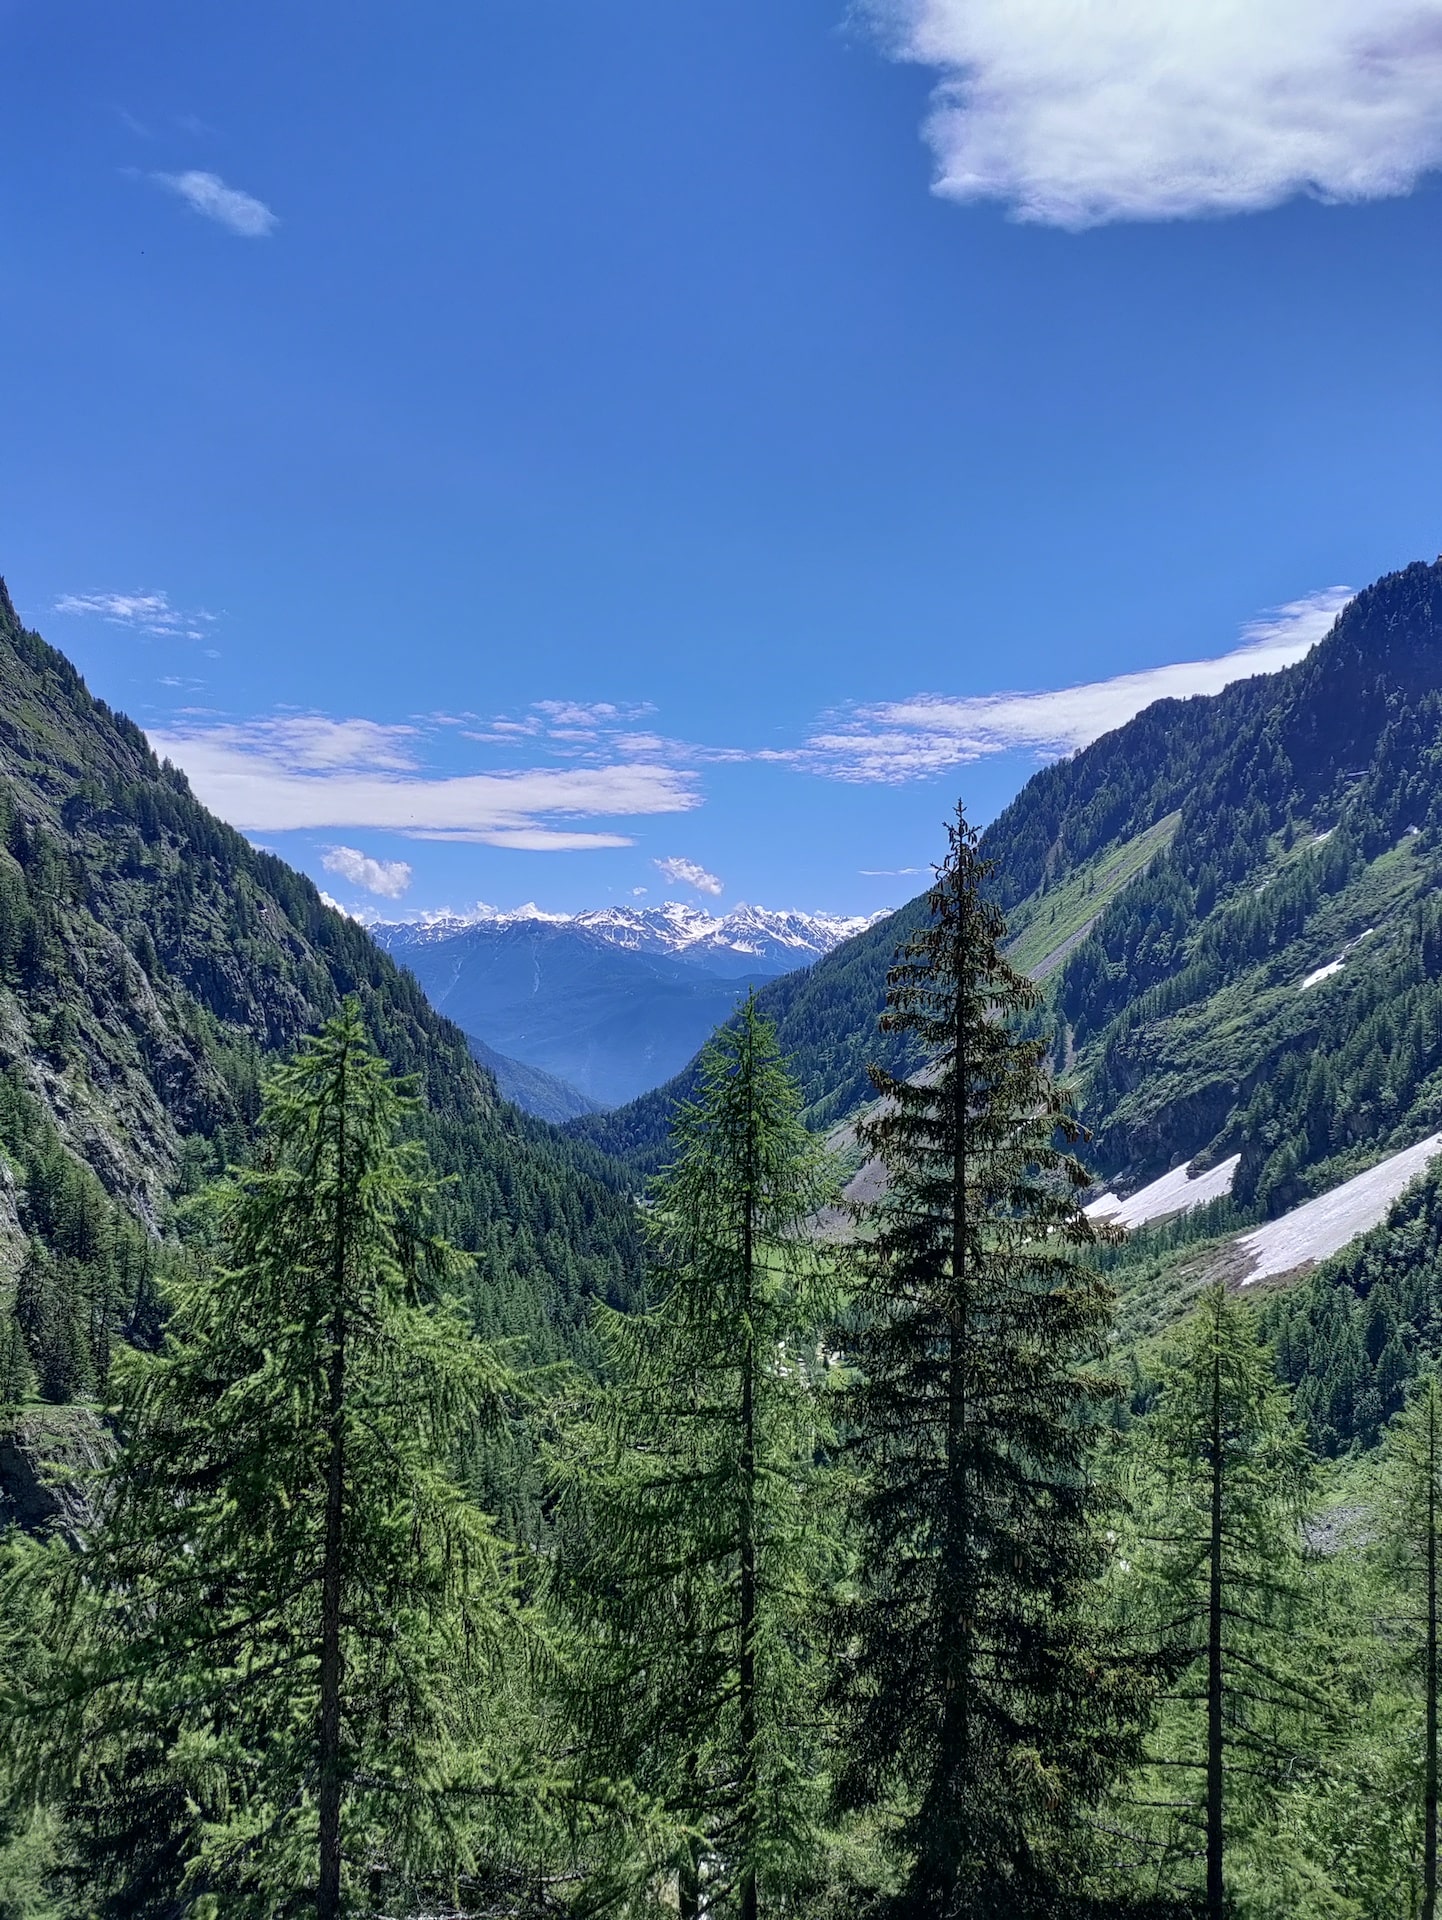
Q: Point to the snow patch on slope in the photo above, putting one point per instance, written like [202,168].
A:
[1320,974]
[1321,1227]
[1176,1192]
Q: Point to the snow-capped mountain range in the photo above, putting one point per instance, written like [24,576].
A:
[747,939]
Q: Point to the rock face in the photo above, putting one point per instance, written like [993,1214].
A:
[49,1460]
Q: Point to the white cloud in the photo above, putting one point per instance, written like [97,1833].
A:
[312,742]
[388,878]
[1075,112]
[207,193]
[572,723]
[535,839]
[911,739]
[307,771]
[686,873]
[143,612]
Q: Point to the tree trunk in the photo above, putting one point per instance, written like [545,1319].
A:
[688,1892]
[1429,1830]
[328,1884]
[747,1677]
[1214,1653]
[956,1626]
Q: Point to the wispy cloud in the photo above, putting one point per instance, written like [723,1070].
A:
[388,878]
[208,194]
[686,873]
[911,739]
[1074,115]
[315,743]
[571,725]
[309,771]
[143,612]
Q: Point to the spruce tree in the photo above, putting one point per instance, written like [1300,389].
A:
[695,1538]
[283,1631]
[976,1705]
[1213,1570]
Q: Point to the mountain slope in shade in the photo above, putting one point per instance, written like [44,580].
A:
[152,963]
[608,1020]
[540,1094]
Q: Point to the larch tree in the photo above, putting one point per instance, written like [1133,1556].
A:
[695,1542]
[1412,1509]
[1211,1569]
[281,1636]
[978,1710]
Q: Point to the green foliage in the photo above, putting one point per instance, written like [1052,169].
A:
[1412,1545]
[1352,1335]
[88,1275]
[1208,1574]
[1174,883]
[696,1538]
[977,1706]
[281,1636]
[152,962]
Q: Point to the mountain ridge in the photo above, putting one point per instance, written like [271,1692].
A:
[1338,756]
[608,1020]
[747,938]
[152,964]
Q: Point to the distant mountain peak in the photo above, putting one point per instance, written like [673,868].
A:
[785,937]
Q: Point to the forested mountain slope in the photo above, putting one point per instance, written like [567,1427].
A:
[151,961]
[1230,904]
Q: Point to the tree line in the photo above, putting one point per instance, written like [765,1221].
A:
[849,1586]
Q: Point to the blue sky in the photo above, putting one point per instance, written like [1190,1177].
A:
[555,448]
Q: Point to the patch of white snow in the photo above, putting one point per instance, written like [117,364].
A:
[1175,1192]
[1334,966]
[1321,974]
[1321,1227]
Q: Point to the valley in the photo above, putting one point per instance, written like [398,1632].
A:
[609,1003]
[1229,912]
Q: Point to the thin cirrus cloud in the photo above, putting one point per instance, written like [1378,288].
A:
[569,725]
[686,873]
[207,194]
[149,613]
[308,771]
[902,740]
[1077,114]
[387,878]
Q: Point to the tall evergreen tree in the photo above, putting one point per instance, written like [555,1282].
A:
[695,1537]
[283,1630]
[975,1701]
[1413,1510]
[1215,1573]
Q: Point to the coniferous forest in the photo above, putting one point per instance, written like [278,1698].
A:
[708,1508]
[848,1571]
